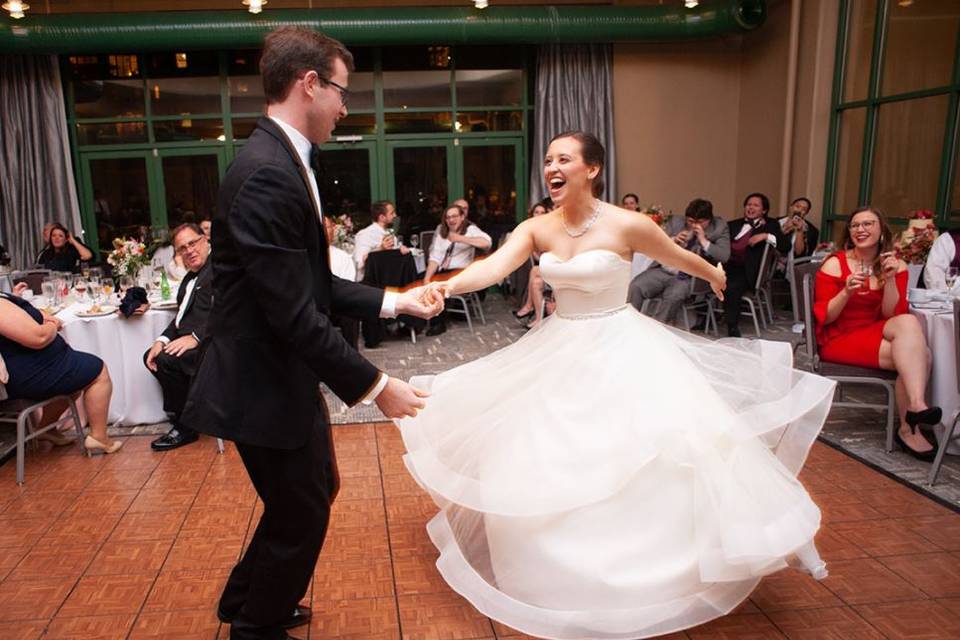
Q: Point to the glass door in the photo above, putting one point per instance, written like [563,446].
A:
[491,173]
[348,181]
[420,181]
[116,188]
[189,180]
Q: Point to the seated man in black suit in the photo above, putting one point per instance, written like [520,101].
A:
[173,357]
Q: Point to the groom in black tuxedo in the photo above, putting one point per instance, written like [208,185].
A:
[271,341]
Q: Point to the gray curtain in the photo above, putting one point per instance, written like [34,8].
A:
[574,91]
[38,185]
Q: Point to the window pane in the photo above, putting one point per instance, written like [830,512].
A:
[183,64]
[417,122]
[176,96]
[246,94]
[356,124]
[954,211]
[475,121]
[103,67]
[863,15]
[345,182]
[111,133]
[489,57]
[121,203]
[920,46]
[849,160]
[490,183]
[402,89]
[906,164]
[420,182]
[108,98]
[243,127]
[498,87]
[415,58]
[190,185]
[188,129]
[361,92]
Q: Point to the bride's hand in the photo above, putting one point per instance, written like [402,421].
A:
[719,281]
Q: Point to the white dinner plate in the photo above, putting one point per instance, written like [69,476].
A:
[105,310]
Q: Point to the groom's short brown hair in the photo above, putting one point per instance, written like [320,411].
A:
[289,52]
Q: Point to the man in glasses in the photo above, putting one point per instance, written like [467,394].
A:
[271,341]
[173,357]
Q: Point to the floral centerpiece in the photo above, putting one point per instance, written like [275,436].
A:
[343,233]
[913,244]
[656,213]
[129,255]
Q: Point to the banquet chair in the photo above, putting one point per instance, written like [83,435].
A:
[33,277]
[759,299]
[950,435]
[795,279]
[426,239]
[466,301]
[697,301]
[800,271]
[20,412]
[846,374]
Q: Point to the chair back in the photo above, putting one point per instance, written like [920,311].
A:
[33,277]
[426,239]
[768,264]
[809,329]
[956,338]
[799,272]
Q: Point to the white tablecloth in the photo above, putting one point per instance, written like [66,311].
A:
[942,387]
[120,343]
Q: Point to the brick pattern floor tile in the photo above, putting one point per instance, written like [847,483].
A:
[141,546]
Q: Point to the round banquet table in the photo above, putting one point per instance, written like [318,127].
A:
[120,343]
[941,333]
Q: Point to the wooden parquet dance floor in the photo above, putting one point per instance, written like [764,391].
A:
[137,545]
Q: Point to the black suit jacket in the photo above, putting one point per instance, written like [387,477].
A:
[194,320]
[751,263]
[270,339]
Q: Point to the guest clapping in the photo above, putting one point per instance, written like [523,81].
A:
[173,357]
[944,255]
[748,237]
[63,251]
[375,237]
[42,365]
[698,231]
[862,320]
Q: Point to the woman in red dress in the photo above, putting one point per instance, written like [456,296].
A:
[862,320]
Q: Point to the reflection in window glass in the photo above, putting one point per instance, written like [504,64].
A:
[356,124]
[183,64]
[188,129]
[849,153]
[489,175]
[495,87]
[121,204]
[243,127]
[403,89]
[108,98]
[345,182]
[361,92]
[920,45]
[418,57]
[111,133]
[420,182]
[190,185]
[246,94]
[176,96]
[478,121]
[906,163]
[405,122]
[856,80]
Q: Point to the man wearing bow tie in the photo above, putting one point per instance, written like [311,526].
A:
[173,357]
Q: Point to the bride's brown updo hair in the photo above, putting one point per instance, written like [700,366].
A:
[592,151]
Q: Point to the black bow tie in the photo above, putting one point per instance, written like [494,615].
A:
[315,159]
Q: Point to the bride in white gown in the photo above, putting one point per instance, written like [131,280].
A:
[605,476]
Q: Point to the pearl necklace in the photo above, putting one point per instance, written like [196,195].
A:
[586,227]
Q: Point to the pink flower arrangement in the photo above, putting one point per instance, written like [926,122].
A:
[655,213]
[128,256]
[921,214]
[343,233]
[913,245]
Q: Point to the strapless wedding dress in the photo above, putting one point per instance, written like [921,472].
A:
[608,477]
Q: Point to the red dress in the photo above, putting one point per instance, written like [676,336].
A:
[854,337]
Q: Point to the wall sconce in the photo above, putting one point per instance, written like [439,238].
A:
[16,8]
[904,3]
[691,4]
[254,6]
[480,4]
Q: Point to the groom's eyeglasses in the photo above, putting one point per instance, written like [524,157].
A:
[344,93]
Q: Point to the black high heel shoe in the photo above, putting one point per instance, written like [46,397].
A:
[522,316]
[930,416]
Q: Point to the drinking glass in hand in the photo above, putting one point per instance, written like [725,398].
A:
[414,240]
[866,270]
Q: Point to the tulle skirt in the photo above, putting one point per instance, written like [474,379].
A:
[608,477]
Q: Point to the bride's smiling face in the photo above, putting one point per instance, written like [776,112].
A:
[565,171]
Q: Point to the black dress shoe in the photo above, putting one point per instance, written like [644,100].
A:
[301,616]
[522,316]
[173,439]
[436,329]
[733,332]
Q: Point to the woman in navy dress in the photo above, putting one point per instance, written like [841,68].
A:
[41,365]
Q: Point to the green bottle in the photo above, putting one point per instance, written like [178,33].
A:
[164,286]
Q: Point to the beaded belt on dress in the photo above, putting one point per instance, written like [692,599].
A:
[591,316]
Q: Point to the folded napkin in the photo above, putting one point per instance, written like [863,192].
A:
[133,299]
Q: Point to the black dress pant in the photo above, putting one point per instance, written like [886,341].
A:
[737,285]
[296,487]
[174,374]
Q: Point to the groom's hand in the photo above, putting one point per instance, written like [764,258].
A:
[421,302]
[399,399]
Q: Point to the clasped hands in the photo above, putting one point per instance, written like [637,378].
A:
[425,301]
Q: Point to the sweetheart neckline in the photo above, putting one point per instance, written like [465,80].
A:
[575,256]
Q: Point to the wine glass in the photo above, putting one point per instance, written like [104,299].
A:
[80,286]
[96,289]
[107,288]
[125,283]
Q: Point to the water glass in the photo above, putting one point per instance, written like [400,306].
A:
[125,283]
[414,240]
[96,290]
[49,290]
[866,270]
[951,277]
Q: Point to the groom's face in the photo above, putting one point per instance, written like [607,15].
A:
[327,106]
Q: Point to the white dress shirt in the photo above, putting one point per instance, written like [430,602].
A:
[941,255]
[366,240]
[747,228]
[187,295]
[462,254]
[342,264]
[389,307]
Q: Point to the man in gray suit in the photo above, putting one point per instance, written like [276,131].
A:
[698,231]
